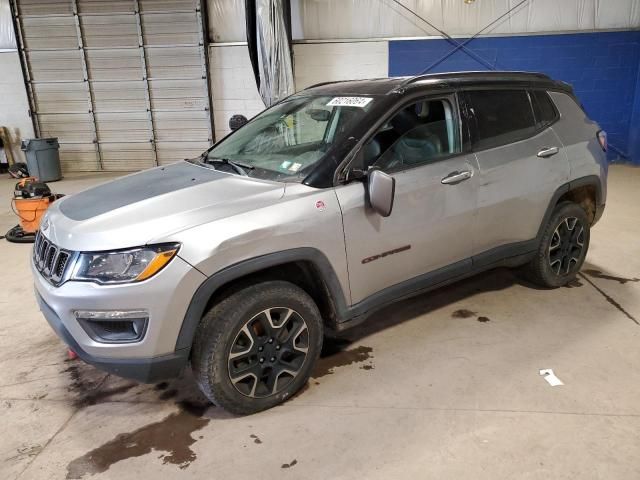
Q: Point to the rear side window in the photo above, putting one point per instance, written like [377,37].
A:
[543,109]
[499,117]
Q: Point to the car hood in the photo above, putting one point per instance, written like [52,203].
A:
[135,209]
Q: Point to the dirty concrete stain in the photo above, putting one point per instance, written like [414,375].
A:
[610,299]
[161,386]
[86,382]
[335,355]
[463,313]
[367,367]
[483,319]
[256,439]
[574,283]
[290,464]
[599,274]
[171,435]
[167,394]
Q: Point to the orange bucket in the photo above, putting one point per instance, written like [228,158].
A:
[30,211]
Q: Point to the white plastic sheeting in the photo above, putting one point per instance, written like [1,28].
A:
[274,54]
[343,19]
[7,36]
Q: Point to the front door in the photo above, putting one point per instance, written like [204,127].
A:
[429,229]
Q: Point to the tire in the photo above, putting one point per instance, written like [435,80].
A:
[563,247]
[237,366]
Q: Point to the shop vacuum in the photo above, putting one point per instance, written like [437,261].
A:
[31,198]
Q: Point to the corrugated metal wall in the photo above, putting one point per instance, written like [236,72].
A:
[122,84]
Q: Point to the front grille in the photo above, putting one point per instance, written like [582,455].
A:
[50,261]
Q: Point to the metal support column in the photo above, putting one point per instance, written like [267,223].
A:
[145,79]
[87,81]
[203,46]
[26,67]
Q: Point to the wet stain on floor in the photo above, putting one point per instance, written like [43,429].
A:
[86,382]
[621,280]
[612,301]
[463,313]
[171,435]
[256,439]
[483,319]
[574,283]
[290,464]
[335,354]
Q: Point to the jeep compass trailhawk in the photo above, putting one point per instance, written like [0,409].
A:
[336,201]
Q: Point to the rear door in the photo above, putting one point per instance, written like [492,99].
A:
[521,162]
[431,223]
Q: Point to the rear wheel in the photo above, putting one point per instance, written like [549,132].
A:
[563,248]
[257,347]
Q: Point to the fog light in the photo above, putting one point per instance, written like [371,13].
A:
[114,326]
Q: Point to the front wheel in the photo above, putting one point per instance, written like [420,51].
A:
[563,247]
[257,347]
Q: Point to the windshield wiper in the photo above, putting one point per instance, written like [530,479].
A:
[240,168]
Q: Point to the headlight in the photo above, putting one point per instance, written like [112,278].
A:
[124,266]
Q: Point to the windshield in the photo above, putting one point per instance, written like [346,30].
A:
[288,140]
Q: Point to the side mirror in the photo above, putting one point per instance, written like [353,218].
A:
[381,189]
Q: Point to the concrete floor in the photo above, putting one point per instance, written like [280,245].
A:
[443,386]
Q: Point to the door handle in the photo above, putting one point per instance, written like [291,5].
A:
[456,177]
[546,152]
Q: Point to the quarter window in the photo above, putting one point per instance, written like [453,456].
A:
[543,109]
[500,117]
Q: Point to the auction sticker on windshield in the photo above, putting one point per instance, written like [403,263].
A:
[349,102]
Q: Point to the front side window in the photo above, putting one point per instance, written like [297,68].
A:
[420,133]
[500,117]
[288,140]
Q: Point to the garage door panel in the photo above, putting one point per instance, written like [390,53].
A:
[49,32]
[127,156]
[180,94]
[170,28]
[166,5]
[169,63]
[40,7]
[79,158]
[61,97]
[68,127]
[117,64]
[170,152]
[123,127]
[110,31]
[181,126]
[100,6]
[56,66]
[119,96]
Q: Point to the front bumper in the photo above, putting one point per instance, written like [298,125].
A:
[166,297]
[146,370]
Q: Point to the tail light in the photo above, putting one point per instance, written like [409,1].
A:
[602,139]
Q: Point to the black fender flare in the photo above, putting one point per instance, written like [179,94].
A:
[589,180]
[203,294]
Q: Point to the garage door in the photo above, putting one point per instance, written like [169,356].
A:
[122,84]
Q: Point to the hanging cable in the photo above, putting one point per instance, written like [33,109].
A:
[463,44]
[448,37]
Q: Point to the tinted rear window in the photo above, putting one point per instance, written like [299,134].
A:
[501,117]
[543,108]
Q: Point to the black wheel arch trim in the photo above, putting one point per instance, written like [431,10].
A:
[203,295]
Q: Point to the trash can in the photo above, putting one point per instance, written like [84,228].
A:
[43,158]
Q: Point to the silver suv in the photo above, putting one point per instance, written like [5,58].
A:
[336,201]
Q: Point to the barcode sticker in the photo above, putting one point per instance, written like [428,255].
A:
[349,102]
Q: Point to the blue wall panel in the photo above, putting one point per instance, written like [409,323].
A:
[602,67]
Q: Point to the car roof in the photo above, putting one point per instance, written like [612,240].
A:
[384,86]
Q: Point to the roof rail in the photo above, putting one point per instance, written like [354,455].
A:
[503,75]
